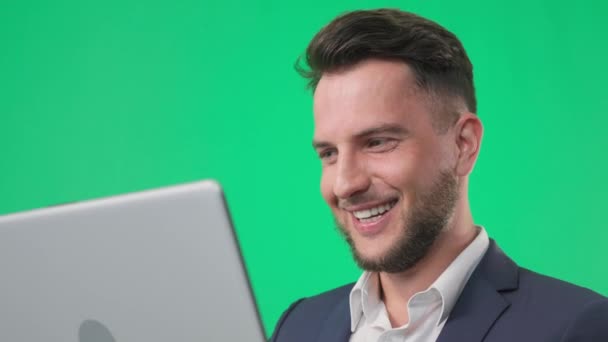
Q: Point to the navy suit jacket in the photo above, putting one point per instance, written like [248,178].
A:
[501,302]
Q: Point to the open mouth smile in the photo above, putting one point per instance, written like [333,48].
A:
[373,214]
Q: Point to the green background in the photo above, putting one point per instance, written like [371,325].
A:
[107,97]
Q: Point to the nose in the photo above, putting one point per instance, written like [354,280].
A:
[351,177]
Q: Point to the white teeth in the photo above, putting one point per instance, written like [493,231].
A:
[371,219]
[363,214]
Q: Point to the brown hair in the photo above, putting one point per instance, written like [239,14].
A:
[435,55]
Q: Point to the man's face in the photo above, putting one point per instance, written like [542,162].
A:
[387,174]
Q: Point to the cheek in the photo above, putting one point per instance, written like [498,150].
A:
[400,171]
[327,186]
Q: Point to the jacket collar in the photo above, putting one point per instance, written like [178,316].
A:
[480,304]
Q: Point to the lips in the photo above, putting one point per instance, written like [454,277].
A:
[371,221]
[368,215]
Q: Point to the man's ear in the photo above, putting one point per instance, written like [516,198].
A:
[468,134]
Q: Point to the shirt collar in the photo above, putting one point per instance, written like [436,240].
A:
[365,295]
[452,281]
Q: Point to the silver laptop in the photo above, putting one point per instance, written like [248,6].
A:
[160,265]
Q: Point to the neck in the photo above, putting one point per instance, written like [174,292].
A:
[398,288]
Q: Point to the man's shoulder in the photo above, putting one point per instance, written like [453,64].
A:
[538,291]
[330,297]
[305,318]
[520,284]
[544,287]
[323,302]
[545,308]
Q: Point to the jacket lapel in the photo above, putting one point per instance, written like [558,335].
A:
[337,325]
[480,304]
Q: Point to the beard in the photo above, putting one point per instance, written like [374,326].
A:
[421,226]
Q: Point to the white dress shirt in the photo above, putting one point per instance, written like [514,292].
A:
[428,310]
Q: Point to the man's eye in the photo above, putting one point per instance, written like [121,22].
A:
[326,154]
[376,142]
[381,144]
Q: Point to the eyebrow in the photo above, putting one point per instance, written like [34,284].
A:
[393,129]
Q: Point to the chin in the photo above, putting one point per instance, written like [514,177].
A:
[371,252]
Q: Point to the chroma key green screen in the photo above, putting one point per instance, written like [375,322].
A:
[103,98]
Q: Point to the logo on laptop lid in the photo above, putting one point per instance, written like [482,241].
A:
[93,331]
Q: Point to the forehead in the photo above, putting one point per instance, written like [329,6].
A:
[371,93]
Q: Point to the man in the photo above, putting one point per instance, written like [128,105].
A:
[397,135]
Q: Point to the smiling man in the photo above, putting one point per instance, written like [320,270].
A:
[397,136]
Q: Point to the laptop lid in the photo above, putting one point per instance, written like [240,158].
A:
[159,265]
